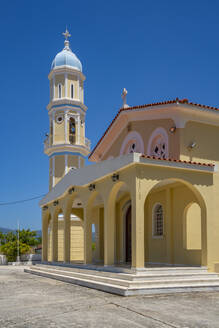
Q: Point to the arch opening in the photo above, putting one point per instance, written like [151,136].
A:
[120,223]
[175,224]
[95,229]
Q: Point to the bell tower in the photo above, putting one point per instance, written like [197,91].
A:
[66,144]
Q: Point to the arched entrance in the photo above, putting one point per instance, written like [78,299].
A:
[128,235]
[177,233]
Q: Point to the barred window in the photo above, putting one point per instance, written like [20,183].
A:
[72,91]
[158,221]
[59,91]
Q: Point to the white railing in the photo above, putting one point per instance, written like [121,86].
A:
[87,143]
[46,143]
[72,141]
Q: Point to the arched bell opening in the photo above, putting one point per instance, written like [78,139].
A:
[72,131]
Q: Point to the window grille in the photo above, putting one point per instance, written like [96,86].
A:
[158,221]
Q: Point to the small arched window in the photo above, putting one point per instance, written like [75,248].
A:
[132,143]
[72,91]
[158,221]
[159,147]
[59,91]
[158,144]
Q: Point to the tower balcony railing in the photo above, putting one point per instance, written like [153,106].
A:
[46,142]
[73,140]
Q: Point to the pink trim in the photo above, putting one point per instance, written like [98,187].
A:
[177,160]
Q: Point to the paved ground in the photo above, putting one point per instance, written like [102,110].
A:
[32,301]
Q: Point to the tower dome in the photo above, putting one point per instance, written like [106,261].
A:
[67,58]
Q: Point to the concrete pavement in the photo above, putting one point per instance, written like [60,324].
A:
[32,301]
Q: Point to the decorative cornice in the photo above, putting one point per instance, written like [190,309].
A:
[66,69]
[66,103]
[83,149]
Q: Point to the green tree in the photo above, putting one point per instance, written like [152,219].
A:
[28,237]
[9,243]
[10,250]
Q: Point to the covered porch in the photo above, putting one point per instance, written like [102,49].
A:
[143,212]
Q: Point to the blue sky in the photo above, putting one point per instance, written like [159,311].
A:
[157,50]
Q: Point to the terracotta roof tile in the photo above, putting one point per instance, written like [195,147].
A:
[177,160]
[169,102]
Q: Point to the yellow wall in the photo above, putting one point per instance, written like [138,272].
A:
[59,167]
[192,227]
[206,138]
[156,247]
[59,131]
[72,161]
[182,196]
[77,241]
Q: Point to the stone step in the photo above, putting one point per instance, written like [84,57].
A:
[148,279]
[139,275]
[117,287]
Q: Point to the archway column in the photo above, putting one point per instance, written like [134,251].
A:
[87,235]
[45,236]
[169,228]
[67,208]
[210,233]
[138,248]
[139,191]
[54,234]
[108,192]
[109,233]
[67,236]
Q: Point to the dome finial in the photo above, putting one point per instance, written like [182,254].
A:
[66,35]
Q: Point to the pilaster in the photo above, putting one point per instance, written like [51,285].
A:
[168,227]
[67,236]
[54,232]
[87,235]
[45,237]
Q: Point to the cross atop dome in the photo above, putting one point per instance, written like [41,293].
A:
[66,34]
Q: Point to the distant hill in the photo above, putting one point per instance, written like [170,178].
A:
[5,230]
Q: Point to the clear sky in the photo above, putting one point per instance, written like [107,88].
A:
[157,50]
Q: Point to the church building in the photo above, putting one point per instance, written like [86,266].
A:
[151,195]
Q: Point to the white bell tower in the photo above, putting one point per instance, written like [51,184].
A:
[66,144]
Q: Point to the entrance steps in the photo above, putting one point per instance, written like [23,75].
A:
[150,280]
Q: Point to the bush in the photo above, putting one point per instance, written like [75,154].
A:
[9,243]
[10,249]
